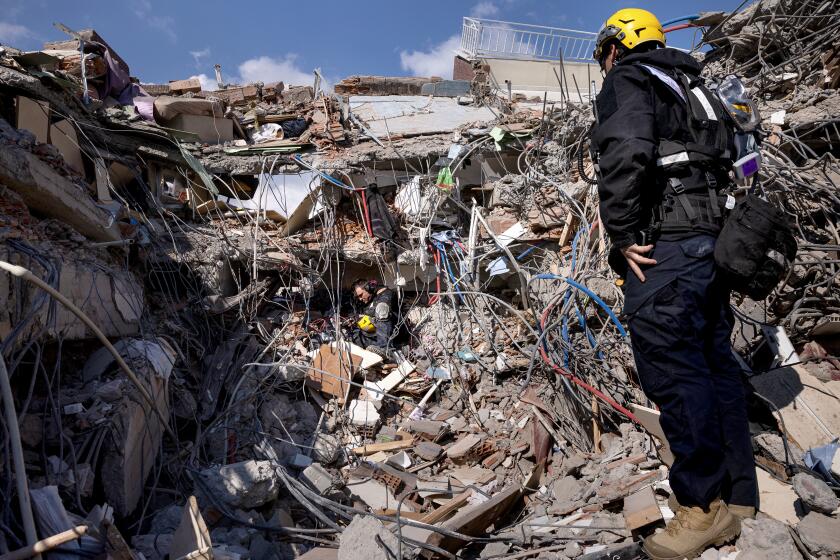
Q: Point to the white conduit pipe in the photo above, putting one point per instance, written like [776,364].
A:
[17,455]
[27,275]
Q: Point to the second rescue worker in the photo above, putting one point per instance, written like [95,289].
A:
[664,145]
[376,324]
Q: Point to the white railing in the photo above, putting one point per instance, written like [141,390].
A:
[486,38]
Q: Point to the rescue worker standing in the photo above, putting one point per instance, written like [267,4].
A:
[661,169]
[376,323]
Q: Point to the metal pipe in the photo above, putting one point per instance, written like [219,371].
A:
[17,456]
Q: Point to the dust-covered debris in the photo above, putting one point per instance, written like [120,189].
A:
[213,238]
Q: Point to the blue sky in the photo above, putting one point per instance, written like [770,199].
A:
[284,40]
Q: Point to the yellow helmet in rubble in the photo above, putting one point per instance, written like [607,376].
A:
[631,27]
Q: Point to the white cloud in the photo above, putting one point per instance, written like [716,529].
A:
[11,32]
[198,56]
[437,61]
[165,24]
[267,69]
[207,83]
[264,69]
[484,9]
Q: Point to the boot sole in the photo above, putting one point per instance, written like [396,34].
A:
[728,534]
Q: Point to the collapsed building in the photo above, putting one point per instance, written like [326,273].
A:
[179,376]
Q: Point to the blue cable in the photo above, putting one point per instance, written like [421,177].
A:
[592,342]
[528,250]
[443,257]
[590,293]
[329,178]
[679,19]
[575,244]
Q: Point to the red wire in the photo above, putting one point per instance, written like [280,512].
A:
[433,300]
[678,27]
[569,375]
[366,216]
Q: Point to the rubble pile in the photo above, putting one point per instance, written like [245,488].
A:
[180,371]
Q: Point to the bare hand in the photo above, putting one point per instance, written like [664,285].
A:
[634,255]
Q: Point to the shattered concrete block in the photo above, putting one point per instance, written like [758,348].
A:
[167,520]
[45,190]
[152,547]
[815,493]
[428,451]
[327,449]
[764,537]
[247,485]
[262,549]
[131,454]
[318,478]
[820,533]
[300,461]
[358,540]
[494,549]
[567,488]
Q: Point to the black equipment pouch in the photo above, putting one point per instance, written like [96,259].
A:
[756,247]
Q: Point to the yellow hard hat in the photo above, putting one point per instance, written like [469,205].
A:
[366,324]
[631,27]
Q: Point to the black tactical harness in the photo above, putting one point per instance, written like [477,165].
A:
[696,171]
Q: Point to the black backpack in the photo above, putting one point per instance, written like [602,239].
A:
[755,248]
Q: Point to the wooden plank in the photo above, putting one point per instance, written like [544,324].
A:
[331,370]
[446,509]
[649,419]
[474,521]
[395,445]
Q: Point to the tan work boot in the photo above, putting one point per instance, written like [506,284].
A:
[741,512]
[691,531]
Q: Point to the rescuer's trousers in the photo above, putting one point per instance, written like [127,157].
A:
[680,327]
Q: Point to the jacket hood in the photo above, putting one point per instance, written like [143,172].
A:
[666,59]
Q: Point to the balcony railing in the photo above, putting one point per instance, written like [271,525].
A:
[485,38]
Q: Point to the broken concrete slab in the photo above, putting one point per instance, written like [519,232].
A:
[247,485]
[366,537]
[177,87]
[776,499]
[45,190]
[134,446]
[807,405]
[765,537]
[820,533]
